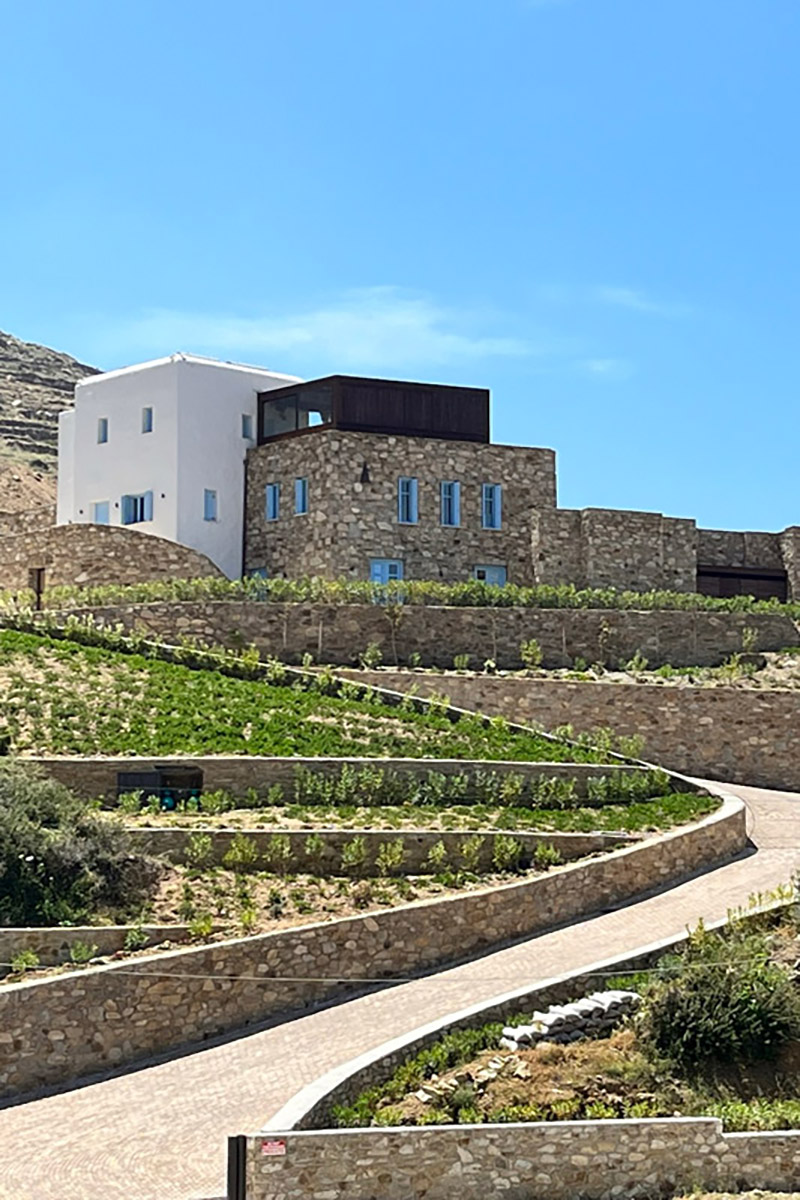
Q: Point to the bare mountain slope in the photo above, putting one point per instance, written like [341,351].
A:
[35,384]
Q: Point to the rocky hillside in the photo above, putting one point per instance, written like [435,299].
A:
[36,383]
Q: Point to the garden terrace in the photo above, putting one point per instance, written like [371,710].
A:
[62,697]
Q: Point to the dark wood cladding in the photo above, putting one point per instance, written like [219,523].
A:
[395,407]
[763,584]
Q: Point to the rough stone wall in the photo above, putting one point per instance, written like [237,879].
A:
[340,633]
[96,554]
[79,1022]
[595,1160]
[350,521]
[97,777]
[52,945]
[604,547]
[723,548]
[732,734]
[32,519]
[790,553]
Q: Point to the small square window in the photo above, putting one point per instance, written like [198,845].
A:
[102,429]
[247,427]
[147,420]
[385,570]
[407,500]
[272,496]
[100,512]
[300,496]
[491,573]
[209,505]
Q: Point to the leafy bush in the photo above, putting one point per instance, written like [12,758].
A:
[82,952]
[389,858]
[241,855]
[199,851]
[24,960]
[722,1001]
[531,654]
[354,855]
[506,852]
[135,939]
[60,860]
[546,855]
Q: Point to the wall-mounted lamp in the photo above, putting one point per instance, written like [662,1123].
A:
[365,473]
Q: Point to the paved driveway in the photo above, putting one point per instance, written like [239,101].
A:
[159,1133]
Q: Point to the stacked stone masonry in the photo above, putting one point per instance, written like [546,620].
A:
[594,1160]
[724,733]
[340,633]
[77,1023]
[89,555]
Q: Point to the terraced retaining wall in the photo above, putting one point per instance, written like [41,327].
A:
[97,777]
[52,945]
[326,857]
[727,733]
[80,1022]
[559,1160]
[340,633]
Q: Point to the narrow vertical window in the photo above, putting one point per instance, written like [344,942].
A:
[209,504]
[147,420]
[273,501]
[102,429]
[100,512]
[300,496]
[491,506]
[407,500]
[450,498]
[247,427]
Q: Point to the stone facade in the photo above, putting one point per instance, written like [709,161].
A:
[97,777]
[340,633]
[79,1022]
[602,547]
[52,944]
[28,521]
[353,508]
[86,555]
[725,733]
[559,1160]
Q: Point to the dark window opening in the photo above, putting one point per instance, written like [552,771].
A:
[298,410]
[171,785]
[763,584]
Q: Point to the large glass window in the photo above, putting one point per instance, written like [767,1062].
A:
[450,498]
[272,495]
[491,506]
[407,500]
[296,410]
[135,509]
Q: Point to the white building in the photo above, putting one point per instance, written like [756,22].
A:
[161,446]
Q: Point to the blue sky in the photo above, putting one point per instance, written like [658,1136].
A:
[590,206]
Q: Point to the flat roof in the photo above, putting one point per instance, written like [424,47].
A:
[198,359]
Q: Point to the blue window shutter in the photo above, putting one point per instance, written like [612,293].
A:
[126,505]
[412,501]
[456,503]
[148,506]
[498,506]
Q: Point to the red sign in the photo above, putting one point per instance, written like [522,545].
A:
[274,1147]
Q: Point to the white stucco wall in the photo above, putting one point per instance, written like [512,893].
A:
[196,443]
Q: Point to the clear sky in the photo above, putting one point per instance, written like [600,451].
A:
[590,206]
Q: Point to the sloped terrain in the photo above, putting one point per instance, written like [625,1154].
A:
[36,383]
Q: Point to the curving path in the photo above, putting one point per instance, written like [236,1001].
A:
[159,1133]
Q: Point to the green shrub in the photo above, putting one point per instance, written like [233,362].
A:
[82,952]
[461,662]
[242,854]
[722,1001]
[24,960]
[279,852]
[199,852]
[471,848]
[135,939]
[371,657]
[506,852]
[437,857]
[546,855]
[389,858]
[354,855]
[531,654]
[201,926]
[61,860]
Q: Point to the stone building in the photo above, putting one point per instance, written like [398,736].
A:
[374,479]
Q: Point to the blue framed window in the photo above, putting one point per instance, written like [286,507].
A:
[135,509]
[247,427]
[102,429]
[450,502]
[100,512]
[209,504]
[494,573]
[300,496]
[407,500]
[385,570]
[147,420]
[491,506]
[272,494]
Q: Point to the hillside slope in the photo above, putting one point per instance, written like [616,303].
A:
[36,383]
